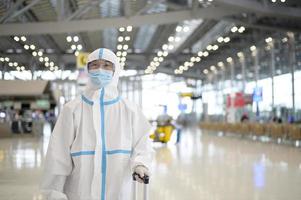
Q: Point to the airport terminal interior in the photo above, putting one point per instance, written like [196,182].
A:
[218,81]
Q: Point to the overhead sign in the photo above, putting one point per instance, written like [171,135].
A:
[81,60]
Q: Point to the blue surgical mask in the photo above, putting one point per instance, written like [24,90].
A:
[101,78]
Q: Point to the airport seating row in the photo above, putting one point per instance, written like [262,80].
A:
[284,131]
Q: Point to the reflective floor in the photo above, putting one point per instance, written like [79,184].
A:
[201,166]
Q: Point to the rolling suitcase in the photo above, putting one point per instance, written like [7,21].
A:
[145,187]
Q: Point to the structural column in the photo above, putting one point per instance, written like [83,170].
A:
[272,65]
[292,61]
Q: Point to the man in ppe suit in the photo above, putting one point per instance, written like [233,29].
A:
[98,141]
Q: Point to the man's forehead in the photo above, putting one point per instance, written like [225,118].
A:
[101,60]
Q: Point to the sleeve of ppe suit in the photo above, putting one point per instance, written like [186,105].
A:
[58,164]
[142,150]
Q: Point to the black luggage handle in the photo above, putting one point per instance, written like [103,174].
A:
[145,178]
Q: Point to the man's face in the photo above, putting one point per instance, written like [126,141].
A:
[96,65]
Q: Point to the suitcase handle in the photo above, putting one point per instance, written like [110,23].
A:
[145,178]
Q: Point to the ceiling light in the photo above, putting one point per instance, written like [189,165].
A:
[127,38]
[192,59]
[209,47]
[125,47]
[123,59]
[124,53]
[170,47]
[46,64]
[165,53]
[69,38]
[212,68]
[129,28]
[165,47]
[186,29]
[198,59]
[229,59]
[16,38]
[205,71]
[79,47]
[2,59]
[26,47]
[73,46]
[234,29]
[46,59]
[10,64]
[121,29]
[119,53]
[76,53]
[22,68]
[23,38]
[41,59]
[205,54]
[220,64]
[240,54]
[268,40]
[171,39]
[18,68]
[241,29]
[160,53]
[179,28]
[32,47]
[15,64]
[120,39]
[220,39]
[40,53]
[51,64]
[215,47]
[253,48]
[34,53]
[6,59]
[161,59]
[200,53]
[119,46]
[226,39]
[75,38]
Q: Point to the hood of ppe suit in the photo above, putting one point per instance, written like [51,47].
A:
[111,90]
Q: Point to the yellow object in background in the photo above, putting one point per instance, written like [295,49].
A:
[81,60]
[188,94]
[162,133]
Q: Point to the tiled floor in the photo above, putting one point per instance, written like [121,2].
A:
[202,166]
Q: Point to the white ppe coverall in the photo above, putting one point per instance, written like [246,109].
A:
[98,140]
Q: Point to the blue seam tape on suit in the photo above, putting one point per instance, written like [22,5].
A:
[104,158]
[112,101]
[100,53]
[110,152]
[119,151]
[86,100]
[80,153]
[106,103]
